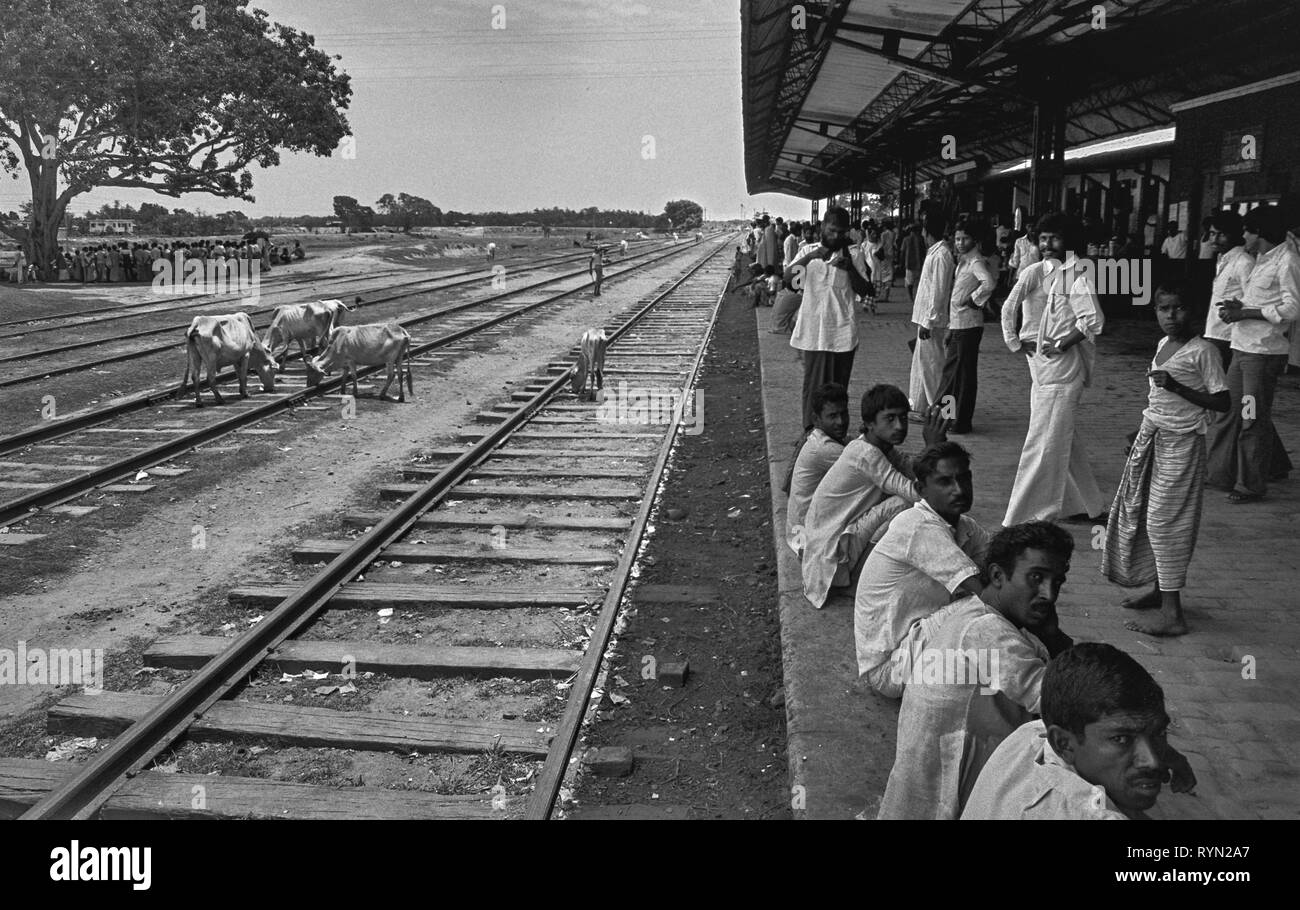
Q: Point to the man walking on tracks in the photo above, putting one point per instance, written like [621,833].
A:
[596,268]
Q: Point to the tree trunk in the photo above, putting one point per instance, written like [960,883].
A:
[47,214]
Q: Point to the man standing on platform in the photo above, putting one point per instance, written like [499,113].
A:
[1061,319]
[1242,447]
[930,315]
[826,329]
[972,287]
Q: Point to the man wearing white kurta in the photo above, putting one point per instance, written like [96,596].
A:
[909,579]
[826,329]
[1061,319]
[956,711]
[930,315]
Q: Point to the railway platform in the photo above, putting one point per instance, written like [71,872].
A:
[1232,685]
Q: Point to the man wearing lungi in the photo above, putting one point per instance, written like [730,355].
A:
[1061,319]
[930,315]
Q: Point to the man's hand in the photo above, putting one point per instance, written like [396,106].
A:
[935,428]
[923,334]
[1182,779]
[1230,310]
[1028,348]
[1051,349]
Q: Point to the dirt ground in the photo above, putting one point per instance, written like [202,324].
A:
[714,748]
[131,569]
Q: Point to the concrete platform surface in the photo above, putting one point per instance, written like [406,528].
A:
[1239,732]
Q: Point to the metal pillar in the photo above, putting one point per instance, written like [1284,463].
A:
[906,191]
[816,206]
[1047,164]
[855,206]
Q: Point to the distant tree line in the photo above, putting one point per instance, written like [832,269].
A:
[403,211]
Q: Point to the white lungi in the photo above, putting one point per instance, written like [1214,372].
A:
[1054,478]
[927,372]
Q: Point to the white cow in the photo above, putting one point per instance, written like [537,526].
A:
[591,362]
[367,345]
[309,324]
[213,342]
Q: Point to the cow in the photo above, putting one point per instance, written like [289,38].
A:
[309,324]
[220,341]
[367,345]
[591,362]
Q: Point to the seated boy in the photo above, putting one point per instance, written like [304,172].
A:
[819,452]
[868,485]
[931,554]
[1099,751]
[980,676]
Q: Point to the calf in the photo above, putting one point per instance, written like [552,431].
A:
[367,345]
[309,324]
[591,362]
[220,341]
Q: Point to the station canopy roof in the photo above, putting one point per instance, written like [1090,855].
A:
[838,104]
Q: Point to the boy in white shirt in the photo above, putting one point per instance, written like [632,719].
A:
[1157,510]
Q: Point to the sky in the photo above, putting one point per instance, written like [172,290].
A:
[561,107]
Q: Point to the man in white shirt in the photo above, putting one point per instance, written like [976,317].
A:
[930,554]
[491,251]
[1024,252]
[1061,319]
[826,329]
[790,246]
[818,453]
[980,676]
[1174,249]
[1230,274]
[930,315]
[1099,752]
[1241,448]
[972,287]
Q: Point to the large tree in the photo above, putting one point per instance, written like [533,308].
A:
[409,211]
[684,214]
[157,94]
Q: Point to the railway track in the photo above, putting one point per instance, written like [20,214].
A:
[437,283]
[539,513]
[49,465]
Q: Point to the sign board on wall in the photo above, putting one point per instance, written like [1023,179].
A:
[1243,149]
[1229,188]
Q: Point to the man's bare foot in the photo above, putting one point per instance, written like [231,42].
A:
[1149,601]
[1164,626]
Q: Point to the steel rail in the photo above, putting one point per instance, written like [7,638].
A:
[547,786]
[81,795]
[181,326]
[64,491]
[77,420]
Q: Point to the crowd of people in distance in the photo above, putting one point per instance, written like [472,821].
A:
[1002,715]
[125,261]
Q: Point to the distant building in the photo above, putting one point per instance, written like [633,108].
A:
[112,226]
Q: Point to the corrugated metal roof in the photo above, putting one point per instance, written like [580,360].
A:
[869,83]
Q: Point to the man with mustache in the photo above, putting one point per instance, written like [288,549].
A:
[949,726]
[928,560]
[1099,751]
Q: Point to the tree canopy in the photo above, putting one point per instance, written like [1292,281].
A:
[158,95]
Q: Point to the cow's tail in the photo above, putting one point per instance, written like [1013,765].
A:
[406,354]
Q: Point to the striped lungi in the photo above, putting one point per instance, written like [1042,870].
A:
[1157,510]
